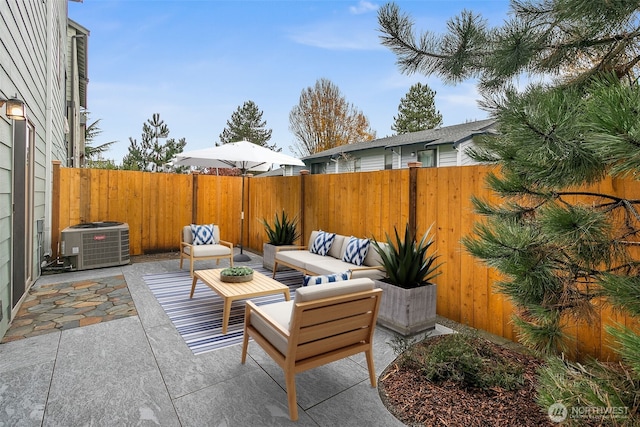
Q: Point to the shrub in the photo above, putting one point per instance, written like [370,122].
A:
[284,230]
[464,359]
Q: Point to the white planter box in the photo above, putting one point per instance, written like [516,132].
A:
[407,311]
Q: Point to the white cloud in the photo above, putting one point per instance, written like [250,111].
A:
[363,7]
[337,35]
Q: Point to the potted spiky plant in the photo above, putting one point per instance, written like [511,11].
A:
[408,303]
[283,232]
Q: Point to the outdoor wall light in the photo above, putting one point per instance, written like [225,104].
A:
[15,108]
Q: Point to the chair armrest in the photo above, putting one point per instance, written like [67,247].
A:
[225,243]
[184,245]
[289,248]
[255,311]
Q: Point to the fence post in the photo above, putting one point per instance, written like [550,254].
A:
[413,196]
[55,208]
[303,174]
[194,197]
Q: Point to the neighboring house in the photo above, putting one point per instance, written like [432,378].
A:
[76,91]
[443,146]
[34,52]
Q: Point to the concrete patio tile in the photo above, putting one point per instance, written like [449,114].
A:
[318,384]
[149,310]
[24,353]
[106,374]
[252,399]
[122,401]
[184,372]
[23,394]
[358,406]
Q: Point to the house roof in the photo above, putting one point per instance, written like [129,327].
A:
[443,135]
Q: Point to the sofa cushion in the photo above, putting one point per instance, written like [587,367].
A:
[203,234]
[328,290]
[280,312]
[322,243]
[337,249]
[329,278]
[356,250]
[299,259]
[327,265]
[207,250]
[373,258]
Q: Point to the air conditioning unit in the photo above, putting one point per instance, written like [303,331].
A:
[96,244]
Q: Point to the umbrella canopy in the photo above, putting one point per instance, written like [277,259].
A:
[244,155]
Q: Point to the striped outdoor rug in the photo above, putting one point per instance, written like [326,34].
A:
[199,320]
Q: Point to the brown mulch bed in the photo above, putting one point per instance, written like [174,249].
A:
[414,400]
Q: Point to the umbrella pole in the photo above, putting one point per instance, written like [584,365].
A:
[242,257]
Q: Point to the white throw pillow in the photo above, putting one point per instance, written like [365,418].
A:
[322,243]
[356,251]
[202,234]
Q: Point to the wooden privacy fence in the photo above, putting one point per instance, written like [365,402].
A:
[366,204]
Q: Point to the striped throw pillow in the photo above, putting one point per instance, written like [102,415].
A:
[328,278]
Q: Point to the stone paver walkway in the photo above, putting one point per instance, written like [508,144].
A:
[67,305]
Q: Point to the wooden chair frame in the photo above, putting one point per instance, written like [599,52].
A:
[192,258]
[321,331]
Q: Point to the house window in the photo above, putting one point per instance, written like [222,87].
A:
[427,158]
[388,161]
[318,168]
[356,165]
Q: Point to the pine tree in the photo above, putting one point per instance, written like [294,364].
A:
[93,153]
[151,154]
[246,124]
[558,249]
[417,111]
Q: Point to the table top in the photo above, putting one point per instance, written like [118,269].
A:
[259,285]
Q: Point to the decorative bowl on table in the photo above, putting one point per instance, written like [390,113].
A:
[236,274]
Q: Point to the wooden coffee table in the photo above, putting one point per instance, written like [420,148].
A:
[260,285]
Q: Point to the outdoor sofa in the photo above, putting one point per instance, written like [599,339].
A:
[311,261]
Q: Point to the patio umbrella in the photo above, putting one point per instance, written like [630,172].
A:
[244,155]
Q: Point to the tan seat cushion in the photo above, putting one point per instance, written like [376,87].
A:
[207,250]
[280,312]
[299,258]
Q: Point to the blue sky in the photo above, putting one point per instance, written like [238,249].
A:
[196,61]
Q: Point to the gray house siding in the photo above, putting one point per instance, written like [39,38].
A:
[448,144]
[32,61]
[447,156]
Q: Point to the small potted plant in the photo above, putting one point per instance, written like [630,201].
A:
[236,274]
[283,232]
[408,303]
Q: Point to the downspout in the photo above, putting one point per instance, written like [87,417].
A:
[48,128]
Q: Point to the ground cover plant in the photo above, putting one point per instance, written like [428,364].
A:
[462,380]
